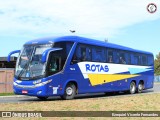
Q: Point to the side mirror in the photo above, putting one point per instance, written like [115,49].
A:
[45,54]
[11,53]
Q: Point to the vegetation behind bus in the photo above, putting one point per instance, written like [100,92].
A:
[157,64]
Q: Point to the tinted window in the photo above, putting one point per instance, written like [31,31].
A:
[150,60]
[82,53]
[117,56]
[98,54]
[128,58]
[136,59]
[144,60]
[57,59]
[110,56]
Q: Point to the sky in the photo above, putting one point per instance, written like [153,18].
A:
[124,22]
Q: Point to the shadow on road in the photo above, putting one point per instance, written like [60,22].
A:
[86,96]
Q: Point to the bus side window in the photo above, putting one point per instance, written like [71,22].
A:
[144,60]
[88,53]
[150,60]
[116,56]
[137,59]
[132,59]
[122,58]
[110,56]
[76,56]
[82,53]
[128,58]
[98,54]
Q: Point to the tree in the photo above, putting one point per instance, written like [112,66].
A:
[157,65]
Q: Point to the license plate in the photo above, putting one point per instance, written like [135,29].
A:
[24,91]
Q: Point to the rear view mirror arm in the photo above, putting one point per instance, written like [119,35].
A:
[11,53]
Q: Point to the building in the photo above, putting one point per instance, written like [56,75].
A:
[5,64]
[7,74]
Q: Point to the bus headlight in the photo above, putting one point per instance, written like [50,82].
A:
[14,83]
[32,86]
[37,81]
[43,83]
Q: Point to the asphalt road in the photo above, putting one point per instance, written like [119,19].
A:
[21,98]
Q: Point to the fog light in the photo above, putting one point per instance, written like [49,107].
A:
[39,92]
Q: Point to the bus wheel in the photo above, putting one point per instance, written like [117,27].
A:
[70,92]
[42,98]
[140,87]
[132,89]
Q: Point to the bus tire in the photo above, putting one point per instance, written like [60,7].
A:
[132,88]
[70,92]
[42,98]
[140,87]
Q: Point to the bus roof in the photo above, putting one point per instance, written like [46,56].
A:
[51,40]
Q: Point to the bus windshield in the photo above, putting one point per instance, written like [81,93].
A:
[29,63]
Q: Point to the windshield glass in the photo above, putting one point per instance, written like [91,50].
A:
[29,63]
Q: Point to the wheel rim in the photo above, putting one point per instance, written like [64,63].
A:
[140,87]
[133,88]
[69,91]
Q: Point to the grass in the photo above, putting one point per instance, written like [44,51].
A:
[141,102]
[6,94]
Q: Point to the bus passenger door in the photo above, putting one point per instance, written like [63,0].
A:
[54,66]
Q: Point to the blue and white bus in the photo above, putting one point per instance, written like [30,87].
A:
[70,65]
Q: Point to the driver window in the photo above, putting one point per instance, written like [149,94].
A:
[54,64]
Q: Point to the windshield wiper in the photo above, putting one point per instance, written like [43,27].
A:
[22,71]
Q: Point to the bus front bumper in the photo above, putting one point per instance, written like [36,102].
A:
[39,89]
